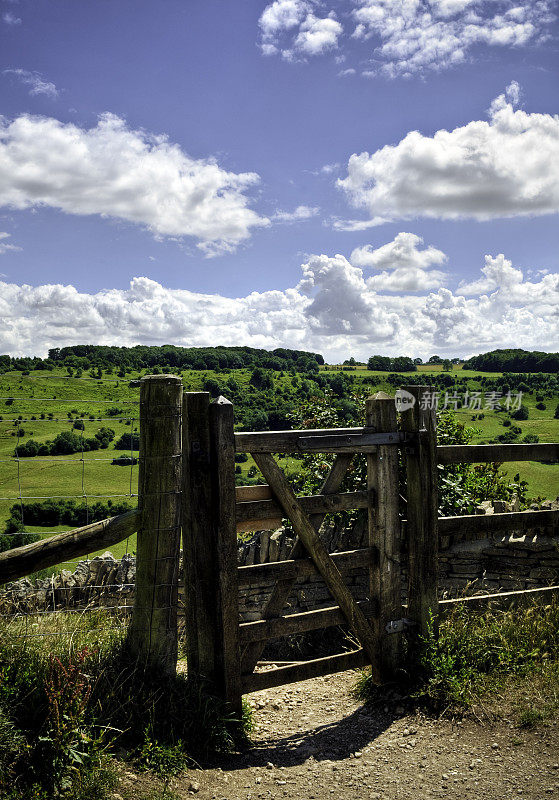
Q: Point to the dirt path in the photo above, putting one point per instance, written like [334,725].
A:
[313,741]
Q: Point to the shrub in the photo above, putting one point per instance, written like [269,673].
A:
[520,413]
[541,406]
[128,441]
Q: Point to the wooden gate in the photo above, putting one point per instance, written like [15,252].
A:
[224,651]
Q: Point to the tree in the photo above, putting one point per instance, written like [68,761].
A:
[447,365]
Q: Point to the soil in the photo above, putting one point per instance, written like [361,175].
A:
[313,740]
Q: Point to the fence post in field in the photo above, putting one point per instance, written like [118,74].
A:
[210,546]
[384,531]
[153,630]
[422,508]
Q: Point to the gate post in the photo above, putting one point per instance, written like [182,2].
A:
[210,546]
[422,508]
[152,635]
[384,531]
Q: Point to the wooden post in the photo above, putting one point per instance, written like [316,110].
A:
[210,546]
[222,438]
[384,532]
[422,508]
[153,629]
[198,536]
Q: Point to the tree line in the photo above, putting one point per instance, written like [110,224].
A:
[514,361]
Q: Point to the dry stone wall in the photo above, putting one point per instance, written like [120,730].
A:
[522,560]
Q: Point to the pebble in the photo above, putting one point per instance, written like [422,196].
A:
[194,787]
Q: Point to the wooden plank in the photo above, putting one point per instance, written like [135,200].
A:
[21,561]
[264,629]
[284,441]
[351,442]
[479,453]
[198,533]
[227,588]
[422,530]
[384,533]
[152,634]
[293,569]
[318,552]
[282,589]
[311,504]
[499,599]
[354,659]
[245,494]
[516,520]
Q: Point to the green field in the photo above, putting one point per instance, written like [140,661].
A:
[43,404]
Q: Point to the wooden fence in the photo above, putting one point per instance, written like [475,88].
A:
[187,481]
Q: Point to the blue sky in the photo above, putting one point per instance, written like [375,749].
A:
[351,177]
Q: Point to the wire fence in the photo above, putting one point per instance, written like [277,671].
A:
[50,602]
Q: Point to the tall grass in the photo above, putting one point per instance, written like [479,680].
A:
[475,654]
[70,693]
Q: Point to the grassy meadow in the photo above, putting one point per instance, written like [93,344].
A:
[42,404]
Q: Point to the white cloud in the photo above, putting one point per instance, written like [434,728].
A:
[11,19]
[402,253]
[6,247]
[412,36]
[505,167]
[317,35]
[407,36]
[297,215]
[115,171]
[499,274]
[38,85]
[291,27]
[404,266]
[335,309]
[353,225]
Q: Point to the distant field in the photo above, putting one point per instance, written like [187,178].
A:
[61,400]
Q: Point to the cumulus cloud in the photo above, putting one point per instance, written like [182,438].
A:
[37,84]
[298,214]
[115,171]
[291,28]
[5,247]
[413,36]
[505,167]
[406,37]
[334,309]
[402,265]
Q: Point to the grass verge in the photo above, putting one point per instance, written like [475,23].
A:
[503,659]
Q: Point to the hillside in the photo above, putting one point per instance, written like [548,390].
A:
[45,404]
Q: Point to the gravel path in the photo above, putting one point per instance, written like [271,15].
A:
[313,741]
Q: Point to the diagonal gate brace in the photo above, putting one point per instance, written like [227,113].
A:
[319,554]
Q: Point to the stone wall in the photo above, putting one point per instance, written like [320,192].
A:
[522,560]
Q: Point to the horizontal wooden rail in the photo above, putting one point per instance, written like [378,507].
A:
[299,623]
[478,453]
[245,494]
[22,561]
[500,599]
[516,520]
[320,440]
[267,514]
[290,569]
[304,670]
